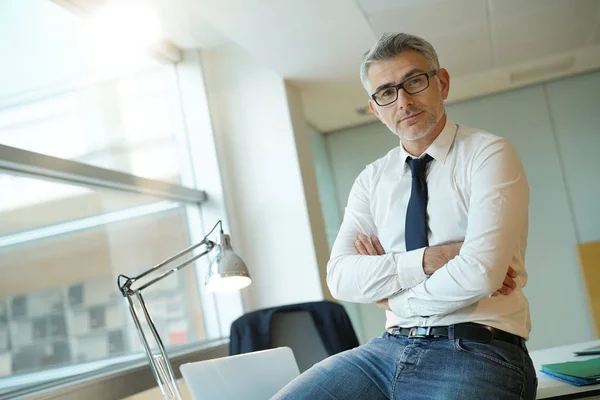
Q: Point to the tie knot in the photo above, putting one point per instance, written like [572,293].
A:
[417,165]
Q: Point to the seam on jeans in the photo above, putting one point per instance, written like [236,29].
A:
[524,374]
[396,376]
[490,358]
[522,395]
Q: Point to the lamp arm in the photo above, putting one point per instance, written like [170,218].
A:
[125,286]
[124,282]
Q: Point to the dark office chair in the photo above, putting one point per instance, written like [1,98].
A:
[314,331]
[297,330]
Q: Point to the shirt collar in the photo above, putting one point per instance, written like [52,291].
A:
[439,148]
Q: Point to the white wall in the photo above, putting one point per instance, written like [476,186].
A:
[260,170]
[554,127]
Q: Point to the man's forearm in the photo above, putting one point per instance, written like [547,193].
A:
[436,257]
[367,279]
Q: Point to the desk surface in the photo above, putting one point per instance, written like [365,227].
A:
[549,387]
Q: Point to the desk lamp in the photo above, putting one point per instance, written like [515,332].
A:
[227,272]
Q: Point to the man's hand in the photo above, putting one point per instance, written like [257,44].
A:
[509,283]
[383,304]
[434,258]
[368,247]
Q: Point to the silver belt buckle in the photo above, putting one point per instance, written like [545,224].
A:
[413,333]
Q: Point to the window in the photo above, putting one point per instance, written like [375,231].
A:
[59,260]
[128,124]
[96,180]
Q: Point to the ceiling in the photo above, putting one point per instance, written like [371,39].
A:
[317,45]
[473,36]
[487,45]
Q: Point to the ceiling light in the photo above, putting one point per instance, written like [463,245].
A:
[125,23]
[123,29]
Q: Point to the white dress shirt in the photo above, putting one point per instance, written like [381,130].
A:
[477,193]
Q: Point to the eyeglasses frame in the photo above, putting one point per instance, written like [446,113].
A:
[399,86]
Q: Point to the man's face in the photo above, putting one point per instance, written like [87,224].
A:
[412,116]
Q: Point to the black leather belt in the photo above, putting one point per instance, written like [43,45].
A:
[469,331]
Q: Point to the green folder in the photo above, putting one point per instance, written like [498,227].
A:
[576,372]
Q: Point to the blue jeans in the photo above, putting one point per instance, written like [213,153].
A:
[396,367]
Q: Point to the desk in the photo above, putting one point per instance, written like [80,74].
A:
[550,388]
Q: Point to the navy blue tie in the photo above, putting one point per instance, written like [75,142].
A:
[415,229]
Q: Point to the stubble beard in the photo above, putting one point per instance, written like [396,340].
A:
[432,121]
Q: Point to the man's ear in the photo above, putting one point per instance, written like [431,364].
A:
[373,108]
[444,82]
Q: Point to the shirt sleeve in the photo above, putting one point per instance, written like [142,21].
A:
[367,279]
[497,215]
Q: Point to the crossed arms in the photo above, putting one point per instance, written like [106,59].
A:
[438,280]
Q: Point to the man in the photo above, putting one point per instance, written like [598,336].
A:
[450,208]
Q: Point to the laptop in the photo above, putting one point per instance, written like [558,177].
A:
[251,376]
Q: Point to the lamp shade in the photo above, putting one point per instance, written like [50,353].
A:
[228,271]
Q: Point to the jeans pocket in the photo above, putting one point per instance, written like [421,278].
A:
[504,354]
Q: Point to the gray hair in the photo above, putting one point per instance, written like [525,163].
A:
[392,44]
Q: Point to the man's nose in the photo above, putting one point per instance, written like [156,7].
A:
[404,99]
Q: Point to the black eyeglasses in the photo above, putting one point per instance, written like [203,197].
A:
[413,85]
